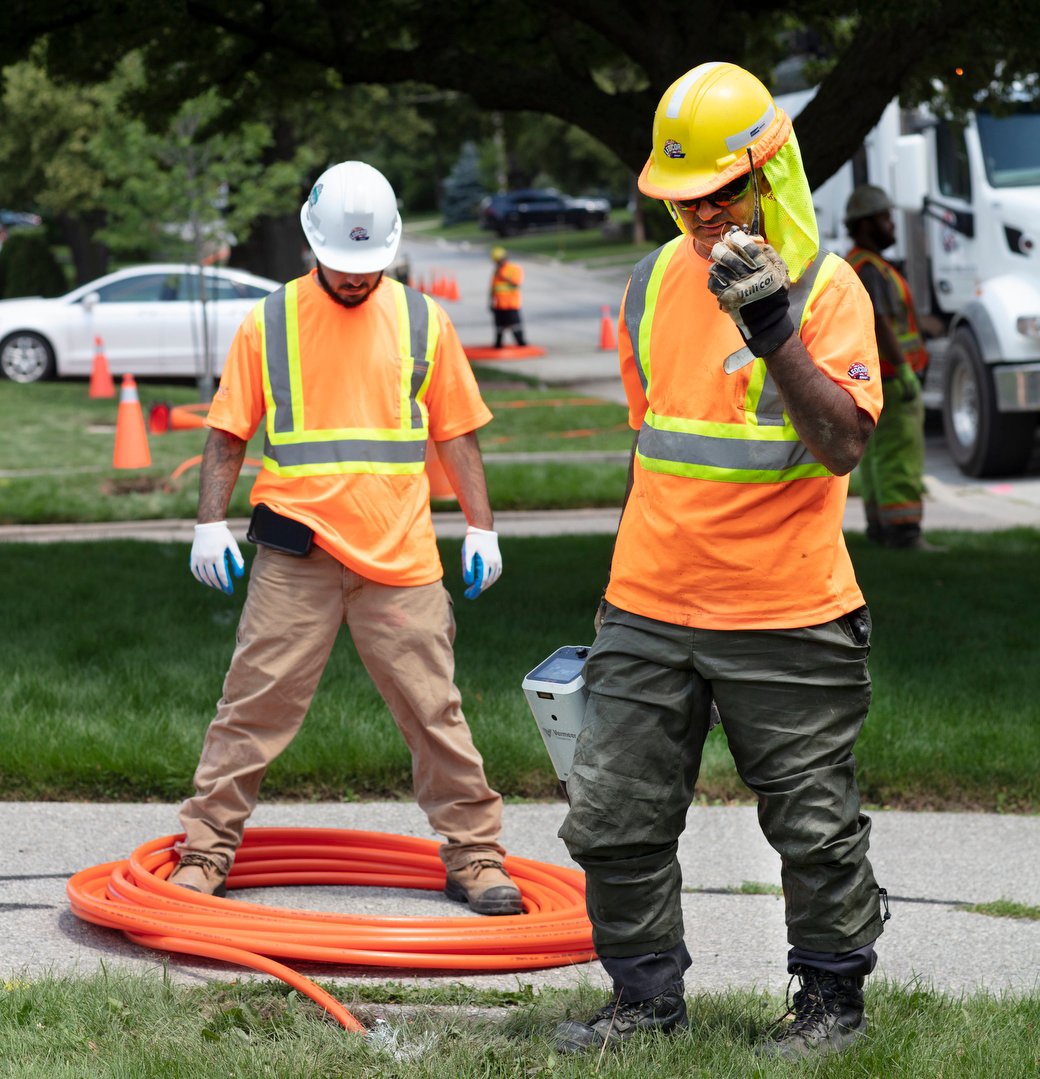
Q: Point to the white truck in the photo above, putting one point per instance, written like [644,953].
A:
[969,244]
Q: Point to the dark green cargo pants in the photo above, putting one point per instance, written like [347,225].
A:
[792,703]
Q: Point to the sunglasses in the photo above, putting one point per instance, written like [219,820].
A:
[723,197]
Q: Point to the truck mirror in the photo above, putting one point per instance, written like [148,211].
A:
[910,173]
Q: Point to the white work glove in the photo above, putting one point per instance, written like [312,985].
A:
[214,555]
[481,560]
[750,281]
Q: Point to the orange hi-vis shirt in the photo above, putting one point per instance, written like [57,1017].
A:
[731,523]
[505,286]
[355,383]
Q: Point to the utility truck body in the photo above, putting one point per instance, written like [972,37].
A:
[968,241]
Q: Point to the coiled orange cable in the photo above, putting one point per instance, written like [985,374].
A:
[135,896]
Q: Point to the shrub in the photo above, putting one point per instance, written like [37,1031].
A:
[28,267]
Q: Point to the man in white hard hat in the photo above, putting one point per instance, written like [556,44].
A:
[344,533]
[751,372]
[892,470]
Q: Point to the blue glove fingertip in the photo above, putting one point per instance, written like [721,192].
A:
[475,579]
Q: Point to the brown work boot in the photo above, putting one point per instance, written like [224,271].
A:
[200,873]
[486,886]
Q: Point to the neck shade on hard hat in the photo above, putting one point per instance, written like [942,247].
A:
[705,124]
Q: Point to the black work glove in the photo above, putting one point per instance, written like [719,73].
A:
[750,281]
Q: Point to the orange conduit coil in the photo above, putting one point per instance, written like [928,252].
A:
[134,896]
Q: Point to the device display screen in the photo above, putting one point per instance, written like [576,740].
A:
[560,669]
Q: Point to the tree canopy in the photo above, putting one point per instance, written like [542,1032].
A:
[331,81]
[598,64]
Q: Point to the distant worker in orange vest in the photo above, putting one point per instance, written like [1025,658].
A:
[892,470]
[748,359]
[344,533]
[505,297]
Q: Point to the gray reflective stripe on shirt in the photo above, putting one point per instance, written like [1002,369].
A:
[346,451]
[276,351]
[635,303]
[736,454]
[419,333]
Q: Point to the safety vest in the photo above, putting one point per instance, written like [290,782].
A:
[765,448]
[905,324]
[292,448]
[505,287]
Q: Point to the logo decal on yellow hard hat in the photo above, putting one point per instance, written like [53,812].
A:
[673,149]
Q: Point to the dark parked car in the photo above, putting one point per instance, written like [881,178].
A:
[543,207]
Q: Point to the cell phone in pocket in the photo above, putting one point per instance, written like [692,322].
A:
[270,529]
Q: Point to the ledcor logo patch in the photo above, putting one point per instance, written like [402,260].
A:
[859,371]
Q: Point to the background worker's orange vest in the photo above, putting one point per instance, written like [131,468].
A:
[505,287]
[905,321]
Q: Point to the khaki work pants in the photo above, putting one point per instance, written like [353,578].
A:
[404,636]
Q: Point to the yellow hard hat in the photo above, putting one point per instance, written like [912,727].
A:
[703,127]
[498,253]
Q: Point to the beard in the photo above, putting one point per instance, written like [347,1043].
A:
[347,299]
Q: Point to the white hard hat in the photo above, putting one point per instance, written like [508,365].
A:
[351,220]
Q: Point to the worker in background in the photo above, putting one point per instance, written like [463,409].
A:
[892,470]
[344,533]
[505,298]
[751,372]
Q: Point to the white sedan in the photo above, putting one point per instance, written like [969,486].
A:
[149,320]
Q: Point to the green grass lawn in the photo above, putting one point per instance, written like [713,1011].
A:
[113,658]
[56,448]
[115,1026]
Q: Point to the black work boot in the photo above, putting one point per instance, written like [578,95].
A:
[828,1017]
[618,1021]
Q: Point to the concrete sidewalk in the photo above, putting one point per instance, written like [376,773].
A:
[931,864]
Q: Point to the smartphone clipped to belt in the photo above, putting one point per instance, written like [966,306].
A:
[270,529]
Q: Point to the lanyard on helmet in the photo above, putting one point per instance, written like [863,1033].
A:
[754,186]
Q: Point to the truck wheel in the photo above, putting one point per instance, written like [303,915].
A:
[981,440]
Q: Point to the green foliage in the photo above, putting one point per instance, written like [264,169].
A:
[28,267]
[462,188]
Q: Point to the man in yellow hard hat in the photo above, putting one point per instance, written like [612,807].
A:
[505,298]
[751,372]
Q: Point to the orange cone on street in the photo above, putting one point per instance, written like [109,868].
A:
[131,449]
[452,292]
[101,384]
[607,337]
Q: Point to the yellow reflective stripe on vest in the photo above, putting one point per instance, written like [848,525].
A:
[765,447]
[291,447]
[640,298]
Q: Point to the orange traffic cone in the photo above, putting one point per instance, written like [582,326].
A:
[440,486]
[101,384]
[131,449]
[607,337]
[452,292]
